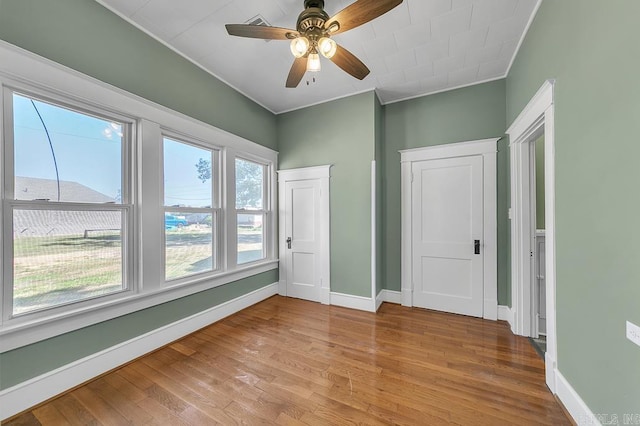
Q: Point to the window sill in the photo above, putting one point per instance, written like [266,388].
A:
[22,333]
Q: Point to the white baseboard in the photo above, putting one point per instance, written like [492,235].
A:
[407,297]
[550,368]
[490,309]
[391,296]
[576,407]
[366,303]
[379,299]
[325,295]
[505,313]
[39,389]
[388,296]
[353,302]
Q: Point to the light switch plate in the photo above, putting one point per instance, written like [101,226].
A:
[633,333]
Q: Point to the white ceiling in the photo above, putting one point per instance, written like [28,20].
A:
[418,48]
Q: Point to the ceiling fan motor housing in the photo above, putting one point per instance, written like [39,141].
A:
[312,19]
[314,3]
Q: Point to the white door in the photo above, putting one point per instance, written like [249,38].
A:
[302,234]
[447,227]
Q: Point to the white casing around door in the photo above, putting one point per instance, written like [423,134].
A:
[447,219]
[448,202]
[304,239]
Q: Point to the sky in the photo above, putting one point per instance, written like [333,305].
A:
[181,183]
[88,151]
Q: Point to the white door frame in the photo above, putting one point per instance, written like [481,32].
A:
[487,149]
[323,174]
[538,113]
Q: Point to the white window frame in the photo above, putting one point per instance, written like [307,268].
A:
[214,210]
[10,204]
[34,74]
[265,211]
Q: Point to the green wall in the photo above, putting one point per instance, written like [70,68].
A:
[504,224]
[341,133]
[466,114]
[83,35]
[591,48]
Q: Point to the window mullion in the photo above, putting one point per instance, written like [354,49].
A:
[149,216]
[231,218]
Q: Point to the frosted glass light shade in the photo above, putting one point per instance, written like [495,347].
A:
[299,46]
[327,47]
[313,64]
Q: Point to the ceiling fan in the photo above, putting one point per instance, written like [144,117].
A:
[313,32]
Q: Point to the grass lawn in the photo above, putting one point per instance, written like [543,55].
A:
[56,270]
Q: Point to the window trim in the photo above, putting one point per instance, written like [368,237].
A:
[10,204]
[28,72]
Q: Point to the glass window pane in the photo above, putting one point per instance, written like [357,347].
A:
[187,175]
[250,238]
[249,185]
[62,257]
[63,155]
[189,244]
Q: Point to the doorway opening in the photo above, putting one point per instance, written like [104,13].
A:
[531,258]
[538,296]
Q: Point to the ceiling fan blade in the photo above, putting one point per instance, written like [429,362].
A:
[350,63]
[298,69]
[360,12]
[261,31]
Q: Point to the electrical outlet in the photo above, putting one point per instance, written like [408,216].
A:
[633,333]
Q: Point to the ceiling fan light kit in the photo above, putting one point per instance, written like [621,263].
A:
[299,46]
[312,36]
[327,47]
[313,63]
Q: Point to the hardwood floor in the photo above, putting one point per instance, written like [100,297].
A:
[291,362]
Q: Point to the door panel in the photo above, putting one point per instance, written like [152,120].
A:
[302,224]
[303,213]
[446,276]
[447,216]
[303,266]
[446,203]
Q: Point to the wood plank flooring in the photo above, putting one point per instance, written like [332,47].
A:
[291,362]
